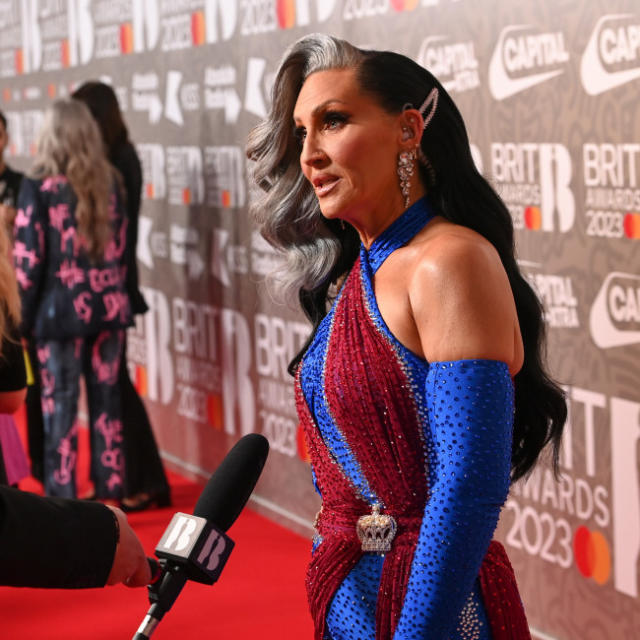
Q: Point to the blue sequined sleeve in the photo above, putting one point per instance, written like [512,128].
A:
[470,412]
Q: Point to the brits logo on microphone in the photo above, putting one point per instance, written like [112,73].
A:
[198,545]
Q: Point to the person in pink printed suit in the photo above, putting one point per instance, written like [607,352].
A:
[70,258]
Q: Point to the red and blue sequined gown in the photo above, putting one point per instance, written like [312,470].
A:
[431,444]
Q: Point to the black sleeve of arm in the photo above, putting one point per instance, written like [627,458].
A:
[53,542]
[13,376]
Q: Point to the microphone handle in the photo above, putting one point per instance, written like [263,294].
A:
[162,594]
[150,622]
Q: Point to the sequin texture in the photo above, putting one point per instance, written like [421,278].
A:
[431,444]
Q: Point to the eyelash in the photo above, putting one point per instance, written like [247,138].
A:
[329,119]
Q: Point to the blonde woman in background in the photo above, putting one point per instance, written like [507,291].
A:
[13,462]
[70,257]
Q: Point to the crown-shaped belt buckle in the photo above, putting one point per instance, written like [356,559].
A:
[376,531]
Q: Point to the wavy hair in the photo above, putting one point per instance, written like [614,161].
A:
[70,144]
[319,252]
[9,296]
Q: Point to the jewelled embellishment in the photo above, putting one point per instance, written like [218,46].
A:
[406,161]
[376,531]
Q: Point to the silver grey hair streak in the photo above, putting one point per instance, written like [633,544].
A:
[284,206]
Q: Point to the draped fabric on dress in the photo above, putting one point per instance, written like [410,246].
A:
[360,398]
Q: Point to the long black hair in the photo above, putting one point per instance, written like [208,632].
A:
[459,193]
[103,104]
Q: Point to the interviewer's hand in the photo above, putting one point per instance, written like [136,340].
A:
[130,565]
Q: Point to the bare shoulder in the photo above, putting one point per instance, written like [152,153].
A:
[460,296]
[448,251]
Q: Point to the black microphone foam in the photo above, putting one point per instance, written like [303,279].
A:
[229,488]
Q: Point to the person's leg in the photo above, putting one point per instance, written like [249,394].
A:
[59,364]
[101,363]
[145,479]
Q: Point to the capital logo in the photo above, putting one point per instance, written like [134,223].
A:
[522,59]
[614,320]
[556,292]
[611,45]
[454,63]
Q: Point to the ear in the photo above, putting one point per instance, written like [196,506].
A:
[411,126]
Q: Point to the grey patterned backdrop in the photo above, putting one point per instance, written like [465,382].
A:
[549,90]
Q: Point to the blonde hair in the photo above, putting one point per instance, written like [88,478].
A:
[70,144]
[9,296]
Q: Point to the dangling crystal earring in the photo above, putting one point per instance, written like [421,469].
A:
[406,161]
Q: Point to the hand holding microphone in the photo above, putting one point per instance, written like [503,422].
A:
[195,547]
[130,564]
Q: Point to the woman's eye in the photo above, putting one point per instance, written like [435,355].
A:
[300,134]
[334,120]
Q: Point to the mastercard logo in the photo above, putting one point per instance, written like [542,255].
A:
[214,411]
[303,449]
[286,13]
[198,32]
[592,555]
[533,218]
[141,382]
[19,60]
[632,225]
[404,5]
[126,38]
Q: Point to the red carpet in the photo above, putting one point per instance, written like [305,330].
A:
[259,595]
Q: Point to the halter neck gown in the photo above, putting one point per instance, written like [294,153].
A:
[369,408]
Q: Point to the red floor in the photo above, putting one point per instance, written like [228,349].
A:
[259,595]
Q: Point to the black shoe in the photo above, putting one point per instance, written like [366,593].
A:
[143,501]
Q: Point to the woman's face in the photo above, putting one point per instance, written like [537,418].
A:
[349,146]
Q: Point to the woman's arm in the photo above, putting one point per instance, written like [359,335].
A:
[29,250]
[465,316]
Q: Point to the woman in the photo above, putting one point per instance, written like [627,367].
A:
[70,255]
[421,391]
[13,382]
[145,480]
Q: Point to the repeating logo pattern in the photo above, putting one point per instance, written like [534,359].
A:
[549,96]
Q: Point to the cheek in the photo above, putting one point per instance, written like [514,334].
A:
[359,157]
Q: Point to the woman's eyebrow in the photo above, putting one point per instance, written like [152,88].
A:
[321,107]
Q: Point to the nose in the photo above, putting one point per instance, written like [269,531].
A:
[312,154]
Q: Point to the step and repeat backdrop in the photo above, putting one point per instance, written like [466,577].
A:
[550,92]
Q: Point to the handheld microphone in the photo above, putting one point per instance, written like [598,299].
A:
[195,547]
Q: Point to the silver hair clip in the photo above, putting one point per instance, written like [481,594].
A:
[430,101]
